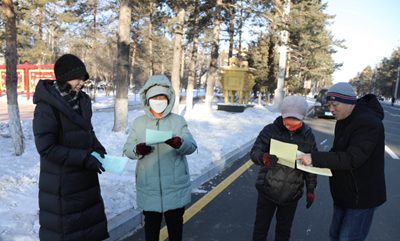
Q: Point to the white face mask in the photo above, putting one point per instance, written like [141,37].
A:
[158,106]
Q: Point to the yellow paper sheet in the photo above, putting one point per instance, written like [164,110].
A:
[311,169]
[286,152]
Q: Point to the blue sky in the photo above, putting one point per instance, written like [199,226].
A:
[371,30]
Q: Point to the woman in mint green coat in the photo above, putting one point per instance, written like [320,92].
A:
[162,172]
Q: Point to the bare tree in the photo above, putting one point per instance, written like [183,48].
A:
[121,101]
[193,62]
[151,69]
[12,78]
[183,53]
[135,44]
[177,54]
[212,69]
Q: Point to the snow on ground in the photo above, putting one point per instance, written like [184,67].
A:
[216,135]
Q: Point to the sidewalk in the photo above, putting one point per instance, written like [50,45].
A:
[25,111]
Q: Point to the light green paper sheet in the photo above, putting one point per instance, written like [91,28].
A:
[113,164]
[311,169]
[156,137]
[286,152]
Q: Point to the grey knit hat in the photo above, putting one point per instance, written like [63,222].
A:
[158,90]
[342,92]
[294,106]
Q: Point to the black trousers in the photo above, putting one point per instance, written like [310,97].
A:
[173,219]
[264,214]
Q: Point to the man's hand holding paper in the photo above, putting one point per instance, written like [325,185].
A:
[305,159]
[304,163]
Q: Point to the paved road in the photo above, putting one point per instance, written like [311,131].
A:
[230,215]
[25,111]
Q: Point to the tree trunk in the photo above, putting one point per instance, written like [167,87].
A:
[151,39]
[289,56]
[121,100]
[212,70]
[177,54]
[12,78]
[201,65]
[94,16]
[95,47]
[40,25]
[231,32]
[240,31]
[183,53]
[163,55]
[134,55]
[132,64]
[193,62]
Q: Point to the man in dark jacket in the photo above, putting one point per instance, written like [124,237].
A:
[356,160]
[71,206]
[280,187]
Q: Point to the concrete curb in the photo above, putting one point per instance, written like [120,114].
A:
[125,223]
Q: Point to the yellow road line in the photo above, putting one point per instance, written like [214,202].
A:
[208,197]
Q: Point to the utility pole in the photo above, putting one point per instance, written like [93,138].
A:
[376,73]
[397,82]
[280,92]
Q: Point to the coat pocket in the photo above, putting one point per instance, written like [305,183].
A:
[141,179]
[181,170]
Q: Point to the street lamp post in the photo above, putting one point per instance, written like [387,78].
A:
[280,92]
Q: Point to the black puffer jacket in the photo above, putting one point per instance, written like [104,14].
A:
[282,184]
[71,206]
[357,157]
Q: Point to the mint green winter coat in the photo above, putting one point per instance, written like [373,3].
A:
[162,177]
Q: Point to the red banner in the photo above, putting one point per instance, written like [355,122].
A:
[21,82]
[28,77]
[37,74]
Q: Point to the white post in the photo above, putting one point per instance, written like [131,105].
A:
[280,92]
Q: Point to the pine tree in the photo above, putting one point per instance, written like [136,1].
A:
[382,79]
[311,45]
[262,56]
[37,30]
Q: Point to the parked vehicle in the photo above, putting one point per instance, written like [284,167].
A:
[321,106]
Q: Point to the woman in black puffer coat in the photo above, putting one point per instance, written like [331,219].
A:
[280,187]
[71,206]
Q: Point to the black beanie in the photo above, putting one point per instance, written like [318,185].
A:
[69,67]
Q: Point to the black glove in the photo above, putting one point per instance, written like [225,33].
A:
[270,160]
[174,142]
[310,198]
[142,149]
[93,164]
[101,151]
